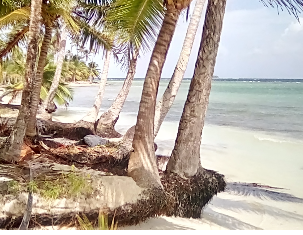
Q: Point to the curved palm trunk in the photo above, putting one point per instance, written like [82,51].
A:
[107,121]
[1,73]
[170,93]
[47,104]
[31,127]
[92,115]
[185,158]
[142,165]
[11,149]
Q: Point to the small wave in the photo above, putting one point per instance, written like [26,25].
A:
[274,140]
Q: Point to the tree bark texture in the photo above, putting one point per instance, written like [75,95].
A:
[11,149]
[170,93]
[185,158]
[1,72]
[47,104]
[37,83]
[107,121]
[142,164]
[92,115]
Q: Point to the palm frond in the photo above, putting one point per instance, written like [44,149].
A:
[63,94]
[14,37]
[98,40]
[20,15]
[292,6]
[70,21]
[139,20]
[8,6]
[43,93]
[93,11]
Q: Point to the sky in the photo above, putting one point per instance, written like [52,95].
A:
[256,42]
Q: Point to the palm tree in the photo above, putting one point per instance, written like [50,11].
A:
[107,121]
[170,93]
[14,67]
[51,12]
[52,91]
[1,71]
[92,115]
[11,149]
[93,71]
[132,24]
[97,40]
[142,164]
[185,157]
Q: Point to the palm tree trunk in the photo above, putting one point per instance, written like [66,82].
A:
[170,93]
[1,72]
[31,127]
[142,165]
[185,158]
[47,104]
[92,115]
[108,119]
[11,149]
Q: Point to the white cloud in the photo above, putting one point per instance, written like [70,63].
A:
[294,27]
[261,44]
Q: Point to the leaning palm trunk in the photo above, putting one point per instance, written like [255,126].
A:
[47,104]
[107,121]
[170,93]
[11,149]
[92,115]
[185,158]
[37,83]
[142,163]
[1,72]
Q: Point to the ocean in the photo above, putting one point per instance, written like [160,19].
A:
[253,131]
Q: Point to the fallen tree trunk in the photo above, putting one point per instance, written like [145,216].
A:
[73,131]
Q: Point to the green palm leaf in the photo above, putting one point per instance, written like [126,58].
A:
[140,20]
[20,15]
[97,39]
[14,37]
